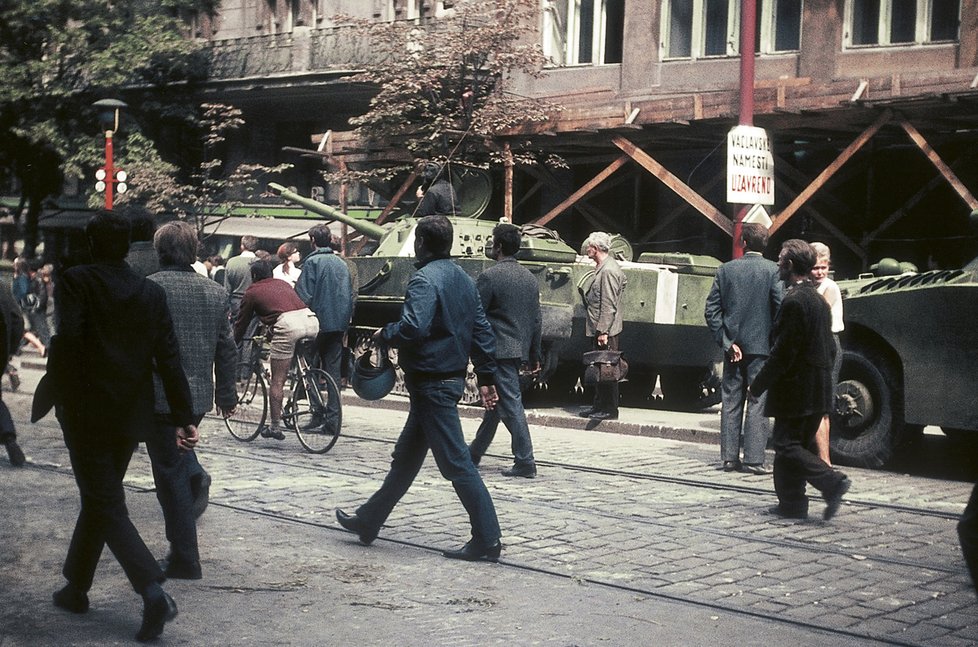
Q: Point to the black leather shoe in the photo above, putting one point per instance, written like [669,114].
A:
[731,466]
[587,413]
[528,470]
[201,490]
[834,500]
[473,551]
[353,523]
[604,415]
[71,599]
[178,569]
[788,514]
[156,612]
[17,458]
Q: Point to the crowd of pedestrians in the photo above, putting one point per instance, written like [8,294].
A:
[157,327]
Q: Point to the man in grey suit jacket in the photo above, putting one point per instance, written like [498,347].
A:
[740,309]
[511,298]
[604,317]
[199,310]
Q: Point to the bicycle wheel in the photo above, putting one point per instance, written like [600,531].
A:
[315,411]
[252,408]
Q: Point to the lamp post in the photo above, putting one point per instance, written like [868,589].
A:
[108,177]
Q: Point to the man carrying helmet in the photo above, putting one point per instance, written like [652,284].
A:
[442,324]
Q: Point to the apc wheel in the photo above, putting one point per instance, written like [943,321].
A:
[315,412]
[867,423]
[252,407]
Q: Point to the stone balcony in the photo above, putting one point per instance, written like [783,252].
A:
[302,51]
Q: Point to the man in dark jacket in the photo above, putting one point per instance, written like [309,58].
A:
[798,374]
[439,197]
[114,327]
[11,332]
[326,286]
[441,325]
[199,309]
[511,298]
[740,309]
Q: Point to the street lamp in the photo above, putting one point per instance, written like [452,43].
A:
[107,177]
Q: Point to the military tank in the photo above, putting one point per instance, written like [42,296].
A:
[910,359]
[664,334]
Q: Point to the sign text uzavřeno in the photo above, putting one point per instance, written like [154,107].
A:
[750,166]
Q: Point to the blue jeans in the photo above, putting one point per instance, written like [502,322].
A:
[433,422]
[509,410]
[754,426]
[172,474]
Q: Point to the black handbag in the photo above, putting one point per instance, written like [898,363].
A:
[604,366]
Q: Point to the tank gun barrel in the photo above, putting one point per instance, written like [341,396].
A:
[370,229]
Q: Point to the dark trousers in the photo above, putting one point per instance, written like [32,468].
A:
[736,428]
[7,431]
[509,410]
[433,423]
[104,518]
[796,462]
[329,345]
[968,534]
[173,472]
[606,393]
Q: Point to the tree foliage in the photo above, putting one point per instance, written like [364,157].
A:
[56,58]
[442,85]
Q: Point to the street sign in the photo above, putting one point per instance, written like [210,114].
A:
[750,166]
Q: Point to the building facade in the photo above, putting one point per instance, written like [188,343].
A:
[871,107]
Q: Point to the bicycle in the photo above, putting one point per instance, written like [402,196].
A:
[312,408]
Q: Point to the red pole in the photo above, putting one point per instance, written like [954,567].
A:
[109,171]
[748,34]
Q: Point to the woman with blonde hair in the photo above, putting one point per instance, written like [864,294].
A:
[286,270]
[833,296]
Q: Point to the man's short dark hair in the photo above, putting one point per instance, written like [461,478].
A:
[176,244]
[508,238]
[755,236]
[142,222]
[261,270]
[321,235]
[436,235]
[249,243]
[801,255]
[430,171]
[108,236]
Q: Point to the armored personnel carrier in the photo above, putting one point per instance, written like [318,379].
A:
[910,359]
[664,334]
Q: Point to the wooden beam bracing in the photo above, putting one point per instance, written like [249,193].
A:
[939,164]
[697,201]
[829,171]
[581,192]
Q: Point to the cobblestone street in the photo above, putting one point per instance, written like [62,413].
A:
[620,540]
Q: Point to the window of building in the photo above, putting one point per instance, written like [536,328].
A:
[583,32]
[901,22]
[703,28]
[415,9]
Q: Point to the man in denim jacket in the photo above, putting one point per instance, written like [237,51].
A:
[442,323]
